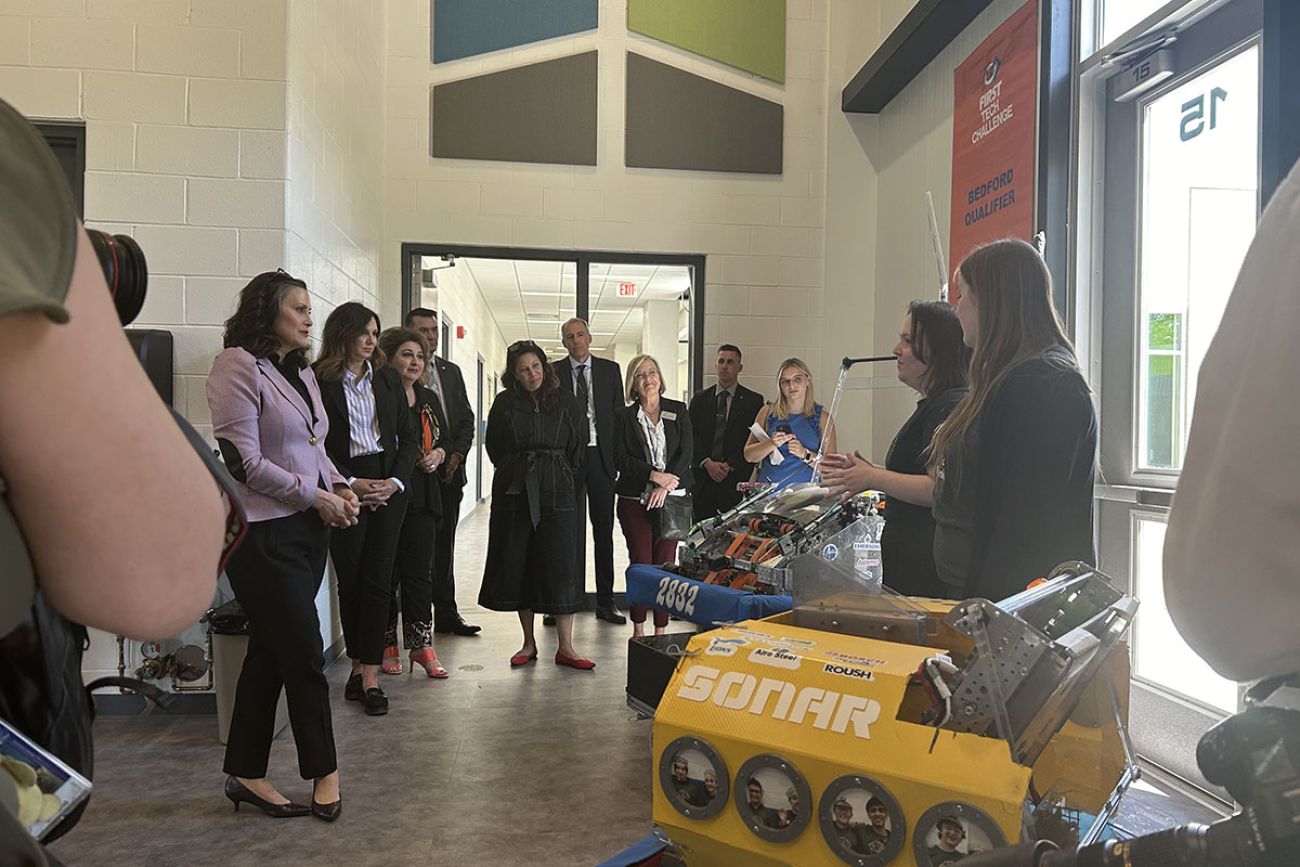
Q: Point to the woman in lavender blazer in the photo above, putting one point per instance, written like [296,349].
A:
[270,425]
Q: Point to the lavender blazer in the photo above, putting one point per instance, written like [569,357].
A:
[266,435]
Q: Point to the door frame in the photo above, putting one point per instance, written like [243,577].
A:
[583,259]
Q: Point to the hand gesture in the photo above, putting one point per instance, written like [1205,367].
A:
[337,509]
[848,474]
[380,492]
[430,461]
[667,481]
[717,470]
[655,499]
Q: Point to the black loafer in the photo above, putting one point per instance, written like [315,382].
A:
[610,614]
[459,627]
[328,812]
[548,619]
[352,689]
[375,702]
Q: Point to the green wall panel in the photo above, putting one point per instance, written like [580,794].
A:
[746,34]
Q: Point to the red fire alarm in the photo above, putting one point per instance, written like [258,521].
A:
[460,332]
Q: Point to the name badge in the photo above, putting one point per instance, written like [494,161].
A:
[671,416]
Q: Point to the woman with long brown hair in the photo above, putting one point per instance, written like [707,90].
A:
[932,360]
[536,437]
[372,442]
[1016,460]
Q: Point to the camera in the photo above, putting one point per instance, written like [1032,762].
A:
[125,270]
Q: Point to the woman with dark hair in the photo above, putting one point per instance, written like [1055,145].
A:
[932,360]
[1016,460]
[653,440]
[536,436]
[270,424]
[408,353]
[372,442]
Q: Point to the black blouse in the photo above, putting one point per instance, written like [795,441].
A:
[425,489]
[1020,502]
[907,542]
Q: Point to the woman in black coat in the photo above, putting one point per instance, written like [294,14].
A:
[372,442]
[652,450]
[408,353]
[536,436]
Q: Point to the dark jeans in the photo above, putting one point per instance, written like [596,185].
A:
[276,573]
[595,494]
[363,563]
[643,547]
[445,612]
[413,581]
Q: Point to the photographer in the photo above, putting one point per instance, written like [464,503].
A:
[94,470]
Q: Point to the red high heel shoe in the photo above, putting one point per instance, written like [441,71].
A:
[428,660]
[392,662]
[577,662]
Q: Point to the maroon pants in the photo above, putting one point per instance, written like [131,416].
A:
[643,547]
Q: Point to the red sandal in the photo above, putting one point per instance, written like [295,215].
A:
[392,662]
[427,659]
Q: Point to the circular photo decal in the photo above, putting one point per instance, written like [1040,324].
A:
[949,833]
[773,798]
[862,822]
[693,778]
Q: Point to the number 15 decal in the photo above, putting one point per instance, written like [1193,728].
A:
[1194,114]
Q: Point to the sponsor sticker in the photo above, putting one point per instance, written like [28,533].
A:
[777,657]
[848,671]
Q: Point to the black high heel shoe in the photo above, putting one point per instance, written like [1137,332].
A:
[238,794]
[328,812]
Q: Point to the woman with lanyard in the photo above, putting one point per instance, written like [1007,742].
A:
[536,436]
[932,360]
[652,450]
[407,352]
[796,427]
[1016,460]
[372,442]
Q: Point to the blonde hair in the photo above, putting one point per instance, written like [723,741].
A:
[1017,323]
[632,367]
[779,408]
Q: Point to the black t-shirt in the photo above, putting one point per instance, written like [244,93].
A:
[1019,502]
[938,857]
[907,542]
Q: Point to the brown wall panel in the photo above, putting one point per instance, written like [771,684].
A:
[676,120]
[541,113]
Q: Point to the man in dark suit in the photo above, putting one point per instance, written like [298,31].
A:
[447,382]
[598,385]
[721,416]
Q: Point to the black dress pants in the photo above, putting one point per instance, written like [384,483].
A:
[445,612]
[363,563]
[594,489]
[413,580]
[276,573]
[712,498]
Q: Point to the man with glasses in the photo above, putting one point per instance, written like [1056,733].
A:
[446,381]
[720,417]
[597,383]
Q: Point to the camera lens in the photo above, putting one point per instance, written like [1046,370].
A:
[125,270]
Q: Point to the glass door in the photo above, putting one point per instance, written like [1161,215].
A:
[1175,216]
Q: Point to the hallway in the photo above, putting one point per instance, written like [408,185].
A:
[493,766]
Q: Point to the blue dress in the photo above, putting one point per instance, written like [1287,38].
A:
[791,469]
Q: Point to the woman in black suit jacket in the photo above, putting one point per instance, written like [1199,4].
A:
[372,443]
[408,353]
[652,450]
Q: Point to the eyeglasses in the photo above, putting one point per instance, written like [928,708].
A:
[649,374]
[794,380]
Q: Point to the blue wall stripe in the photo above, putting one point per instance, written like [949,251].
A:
[464,28]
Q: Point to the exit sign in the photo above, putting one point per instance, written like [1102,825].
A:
[627,290]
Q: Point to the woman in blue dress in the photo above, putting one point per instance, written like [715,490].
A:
[796,427]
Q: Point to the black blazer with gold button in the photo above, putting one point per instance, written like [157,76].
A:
[632,451]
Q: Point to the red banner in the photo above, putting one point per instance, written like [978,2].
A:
[995,101]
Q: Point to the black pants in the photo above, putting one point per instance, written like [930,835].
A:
[413,581]
[445,612]
[595,494]
[363,562]
[276,573]
[711,498]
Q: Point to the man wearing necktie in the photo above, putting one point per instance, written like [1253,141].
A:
[446,381]
[720,418]
[597,383]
